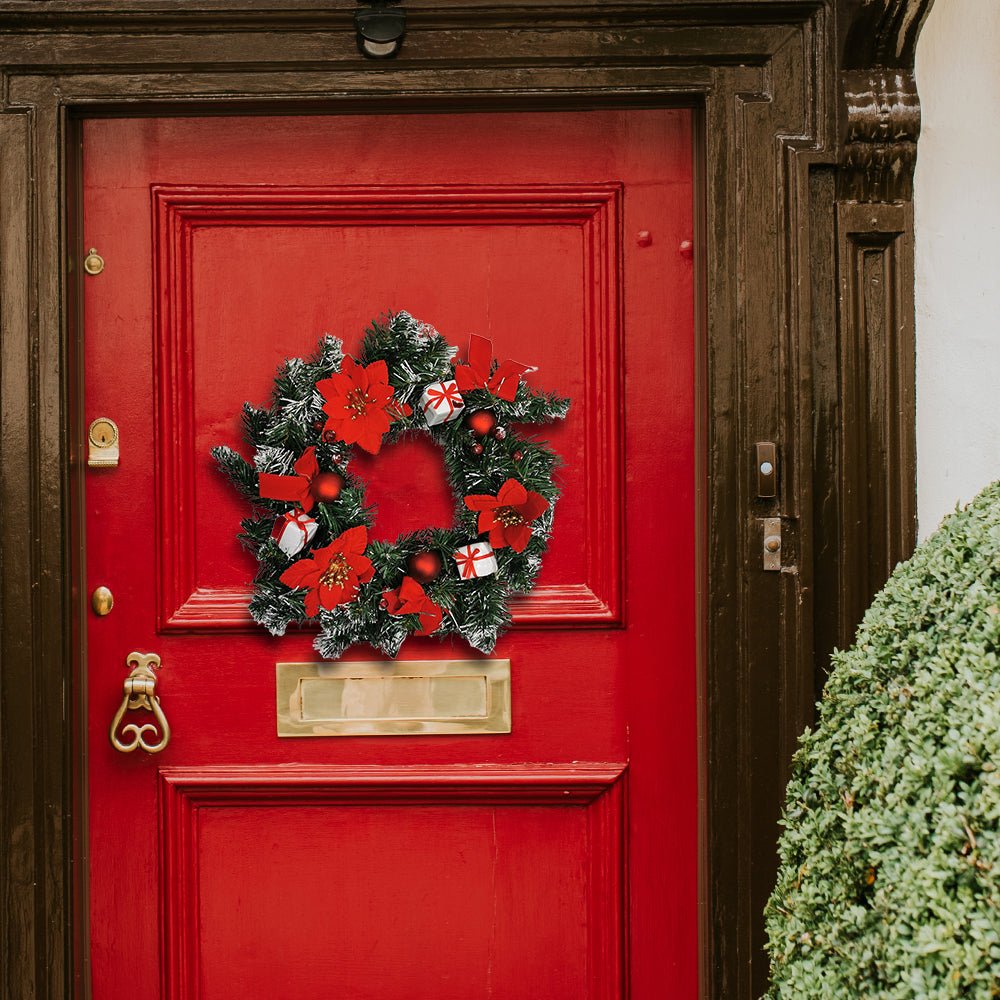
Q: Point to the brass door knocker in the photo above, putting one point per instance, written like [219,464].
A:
[140,693]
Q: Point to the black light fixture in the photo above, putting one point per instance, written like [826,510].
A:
[381,27]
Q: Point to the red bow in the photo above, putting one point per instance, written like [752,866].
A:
[467,561]
[448,393]
[476,374]
[409,598]
[293,489]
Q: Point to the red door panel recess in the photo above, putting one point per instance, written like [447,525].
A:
[554,863]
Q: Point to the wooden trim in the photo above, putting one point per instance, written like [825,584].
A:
[875,245]
[788,267]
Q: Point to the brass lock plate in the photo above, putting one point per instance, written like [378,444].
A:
[400,698]
[103,443]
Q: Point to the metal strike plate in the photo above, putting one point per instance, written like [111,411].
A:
[767,470]
[103,441]
[397,698]
[772,544]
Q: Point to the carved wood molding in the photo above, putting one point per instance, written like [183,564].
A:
[882,32]
[881,111]
[883,125]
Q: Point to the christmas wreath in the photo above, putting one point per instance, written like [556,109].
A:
[310,522]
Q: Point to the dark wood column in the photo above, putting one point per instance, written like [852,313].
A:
[866,462]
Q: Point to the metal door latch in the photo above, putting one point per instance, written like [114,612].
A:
[772,544]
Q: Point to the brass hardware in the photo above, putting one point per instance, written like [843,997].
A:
[767,470]
[93,263]
[140,693]
[404,697]
[102,601]
[103,439]
[772,544]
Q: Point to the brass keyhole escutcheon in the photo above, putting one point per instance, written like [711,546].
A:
[103,435]
[93,263]
[102,601]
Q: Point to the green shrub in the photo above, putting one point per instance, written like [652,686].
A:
[889,885]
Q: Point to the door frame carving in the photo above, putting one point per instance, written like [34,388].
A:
[807,120]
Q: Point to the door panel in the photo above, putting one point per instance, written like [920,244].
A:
[236,862]
[496,238]
[424,882]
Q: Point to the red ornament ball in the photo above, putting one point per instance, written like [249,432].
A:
[518,455]
[329,437]
[425,566]
[477,449]
[481,422]
[327,486]
[500,433]
[383,604]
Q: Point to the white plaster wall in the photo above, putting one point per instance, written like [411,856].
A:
[957,206]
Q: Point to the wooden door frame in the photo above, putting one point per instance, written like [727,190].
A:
[807,121]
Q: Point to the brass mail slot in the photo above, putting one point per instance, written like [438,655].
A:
[398,698]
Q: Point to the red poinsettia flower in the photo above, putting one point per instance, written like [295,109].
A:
[333,574]
[293,489]
[409,598]
[508,515]
[359,403]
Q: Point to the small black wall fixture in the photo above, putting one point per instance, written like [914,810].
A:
[381,27]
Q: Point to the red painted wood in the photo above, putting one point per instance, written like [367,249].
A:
[416,867]
[489,829]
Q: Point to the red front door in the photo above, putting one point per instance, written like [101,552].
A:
[555,861]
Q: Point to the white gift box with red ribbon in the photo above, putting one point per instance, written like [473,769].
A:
[441,402]
[293,531]
[475,560]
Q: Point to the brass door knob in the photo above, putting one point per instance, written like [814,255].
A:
[102,601]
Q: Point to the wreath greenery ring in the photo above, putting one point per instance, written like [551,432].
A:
[310,520]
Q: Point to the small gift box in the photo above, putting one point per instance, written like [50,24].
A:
[475,560]
[293,530]
[441,402]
